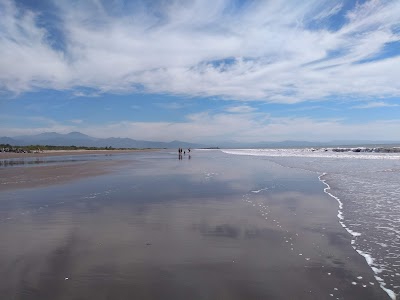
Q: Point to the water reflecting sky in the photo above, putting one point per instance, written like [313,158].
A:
[210,227]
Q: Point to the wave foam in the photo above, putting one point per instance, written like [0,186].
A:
[371,190]
[369,259]
[307,152]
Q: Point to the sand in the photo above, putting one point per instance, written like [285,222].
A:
[38,171]
[39,176]
[47,153]
[212,227]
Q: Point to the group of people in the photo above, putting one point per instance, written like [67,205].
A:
[180,151]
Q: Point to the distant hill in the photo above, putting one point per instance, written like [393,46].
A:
[80,139]
[8,140]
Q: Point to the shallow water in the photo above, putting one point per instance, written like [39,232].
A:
[214,226]
[368,186]
[51,160]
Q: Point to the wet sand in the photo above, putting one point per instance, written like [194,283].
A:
[39,176]
[212,227]
[47,153]
[57,166]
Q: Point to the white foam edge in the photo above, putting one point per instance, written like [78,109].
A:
[303,153]
[260,190]
[369,259]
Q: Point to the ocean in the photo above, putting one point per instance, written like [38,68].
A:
[367,188]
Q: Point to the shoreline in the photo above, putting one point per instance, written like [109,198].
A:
[368,258]
[47,153]
[375,258]
[240,235]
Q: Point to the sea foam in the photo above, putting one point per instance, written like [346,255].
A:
[366,187]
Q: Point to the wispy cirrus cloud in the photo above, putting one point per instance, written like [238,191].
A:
[76,121]
[329,11]
[375,104]
[170,105]
[240,109]
[207,127]
[274,51]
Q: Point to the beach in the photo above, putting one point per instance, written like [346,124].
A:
[146,225]
[57,166]
[47,153]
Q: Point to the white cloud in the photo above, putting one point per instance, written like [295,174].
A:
[217,128]
[76,121]
[375,105]
[171,105]
[86,94]
[181,48]
[329,11]
[37,124]
[240,109]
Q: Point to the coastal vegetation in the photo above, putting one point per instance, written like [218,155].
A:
[41,148]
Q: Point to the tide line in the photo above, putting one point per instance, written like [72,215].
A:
[369,259]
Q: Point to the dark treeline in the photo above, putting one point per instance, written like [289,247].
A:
[39,148]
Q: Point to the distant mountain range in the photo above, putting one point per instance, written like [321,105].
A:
[80,139]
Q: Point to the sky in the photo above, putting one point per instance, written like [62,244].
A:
[201,71]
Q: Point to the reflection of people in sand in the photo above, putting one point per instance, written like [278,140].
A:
[180,151]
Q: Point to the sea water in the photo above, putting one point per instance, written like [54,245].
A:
[367,188]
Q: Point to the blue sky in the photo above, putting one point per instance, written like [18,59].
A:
[201,71]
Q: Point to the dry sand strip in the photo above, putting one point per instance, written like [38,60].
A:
[31,177]
[46,153]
